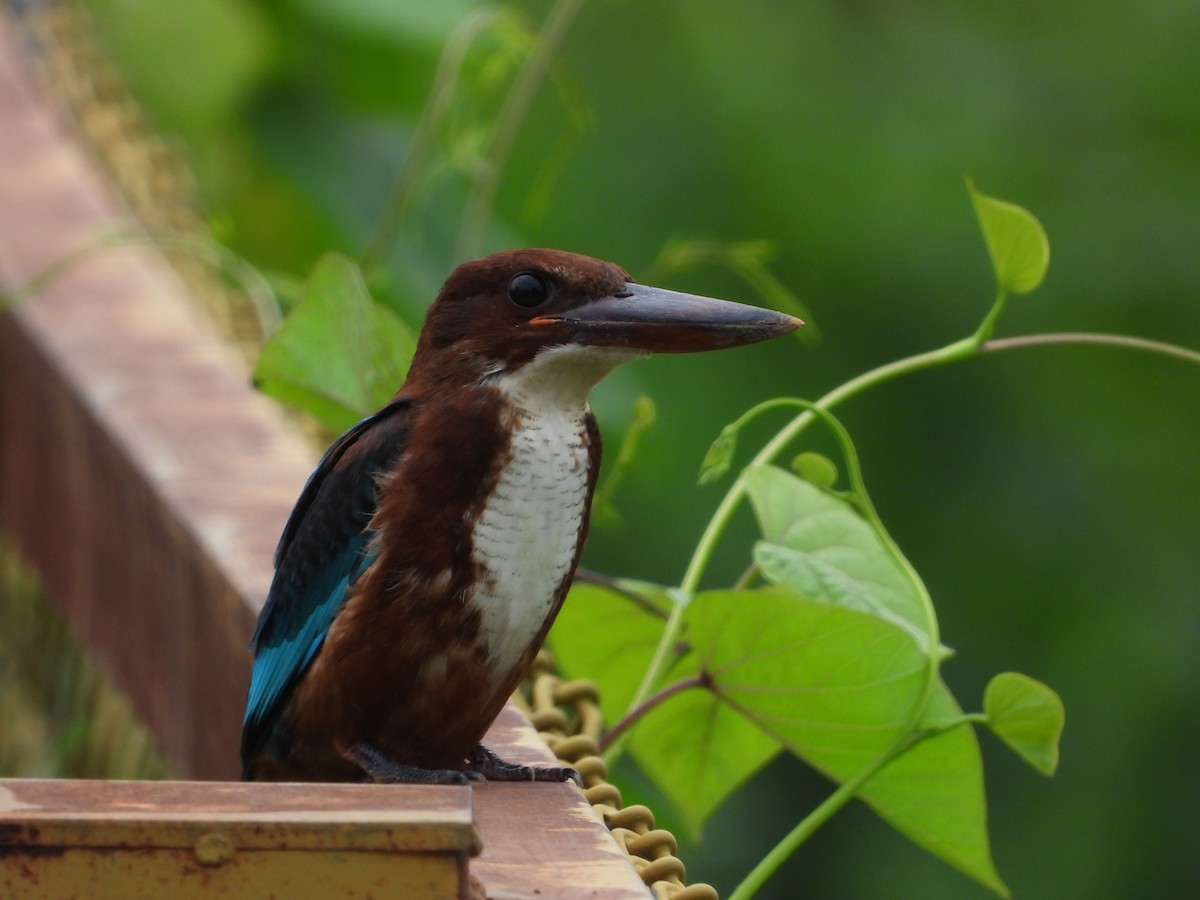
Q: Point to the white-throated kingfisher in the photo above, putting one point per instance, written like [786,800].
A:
[433,546]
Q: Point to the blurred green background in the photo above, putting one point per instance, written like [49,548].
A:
[1050,498]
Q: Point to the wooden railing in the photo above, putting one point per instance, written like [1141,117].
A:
[147,483]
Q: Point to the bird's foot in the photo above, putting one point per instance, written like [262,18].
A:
[484,762]
[382,769]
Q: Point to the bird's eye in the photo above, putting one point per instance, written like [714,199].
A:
[528,290]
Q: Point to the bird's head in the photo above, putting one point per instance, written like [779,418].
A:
[497,315]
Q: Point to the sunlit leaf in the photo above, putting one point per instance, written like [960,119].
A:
[934,794]
[820,547]
[339,355]
[838,688]
[699,750]
[1016,242]
[1028,716]
[610,638]
[836,684]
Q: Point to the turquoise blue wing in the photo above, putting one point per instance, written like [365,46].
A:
[323,549]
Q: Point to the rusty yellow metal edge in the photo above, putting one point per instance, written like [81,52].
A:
[176,814]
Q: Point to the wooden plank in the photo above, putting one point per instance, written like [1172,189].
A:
[148,484]
[544,836]
[139,472]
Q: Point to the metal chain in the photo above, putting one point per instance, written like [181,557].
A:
[566,715]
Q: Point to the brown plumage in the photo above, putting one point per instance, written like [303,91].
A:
[432,548]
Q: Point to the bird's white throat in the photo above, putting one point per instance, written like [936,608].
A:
[525,538]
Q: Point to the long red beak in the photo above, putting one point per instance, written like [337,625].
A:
[649,318]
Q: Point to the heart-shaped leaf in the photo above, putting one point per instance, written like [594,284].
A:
[1028,716]
[338,355]
[1016,242]
[699,750]
[820,547]
[610,637]
[837,687]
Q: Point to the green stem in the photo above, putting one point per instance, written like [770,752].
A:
[804,829]
[859,491]
[445,83]
[57,268]
[657,666]
[508,125]
[724,512]
[959,350]
[247,277]
[716,526]
[614,733]
[988,325]
[1082,337]
[858,487]
[845,792]
[642,418]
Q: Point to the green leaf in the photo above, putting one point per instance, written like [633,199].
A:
[610,638]
[602,635]
[838,688]
[818,546]
[1015,240]
[934,794]
[338,355]
[699,750]
[837,685]
[1028,716]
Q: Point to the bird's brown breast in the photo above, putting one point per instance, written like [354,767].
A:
[471,571]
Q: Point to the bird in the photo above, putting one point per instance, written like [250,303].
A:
[433,545]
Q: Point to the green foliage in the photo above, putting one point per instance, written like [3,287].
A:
[339,355]
[1027,716]
[838,680]
[934,792]
[703,747]
[421,23]
[837,134]
[819,547]
[749,261]
[60,716]
[1016,242]
[194,69]
[837,662]
[838,688]
[610,637]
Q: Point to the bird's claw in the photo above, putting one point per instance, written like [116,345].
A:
[482,766]
[486,763]
[380,768]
